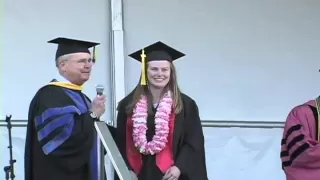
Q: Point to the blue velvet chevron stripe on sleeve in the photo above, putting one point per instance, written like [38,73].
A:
[58,119]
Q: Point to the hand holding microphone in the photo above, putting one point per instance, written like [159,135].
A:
[98,103]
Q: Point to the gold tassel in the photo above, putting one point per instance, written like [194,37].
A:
[94,54]
[143,71]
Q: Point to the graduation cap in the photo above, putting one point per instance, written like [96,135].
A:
[155,52]
[69,46]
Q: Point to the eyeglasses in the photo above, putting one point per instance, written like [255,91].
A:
[85,61]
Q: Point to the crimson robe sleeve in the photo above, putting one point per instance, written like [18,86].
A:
[191,159]
[298,146]
[64,130]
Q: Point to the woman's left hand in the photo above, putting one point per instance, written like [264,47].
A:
[172,173]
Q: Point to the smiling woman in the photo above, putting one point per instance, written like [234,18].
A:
[159,129]
[158,73]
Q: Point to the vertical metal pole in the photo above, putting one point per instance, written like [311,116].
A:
[117,57]
[100,157]
[117,62]
[102,163]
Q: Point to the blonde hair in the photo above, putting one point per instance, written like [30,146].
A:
[172,86]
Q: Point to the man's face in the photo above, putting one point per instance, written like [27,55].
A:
[78,67]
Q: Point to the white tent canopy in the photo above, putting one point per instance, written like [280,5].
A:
[246,61]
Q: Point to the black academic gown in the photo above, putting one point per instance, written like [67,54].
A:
[188,143]
[61,140]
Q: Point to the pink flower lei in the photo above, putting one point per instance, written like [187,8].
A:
[162,117]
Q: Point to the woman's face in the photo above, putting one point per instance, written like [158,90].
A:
[158,73]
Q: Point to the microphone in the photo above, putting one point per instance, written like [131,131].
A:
[99,89]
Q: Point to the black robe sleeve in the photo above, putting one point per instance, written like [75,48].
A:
[65,133]
[191,157]
[121,134]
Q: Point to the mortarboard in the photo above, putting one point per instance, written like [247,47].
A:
[69,46]
[155,52]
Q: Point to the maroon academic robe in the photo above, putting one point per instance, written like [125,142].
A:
[300,150]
